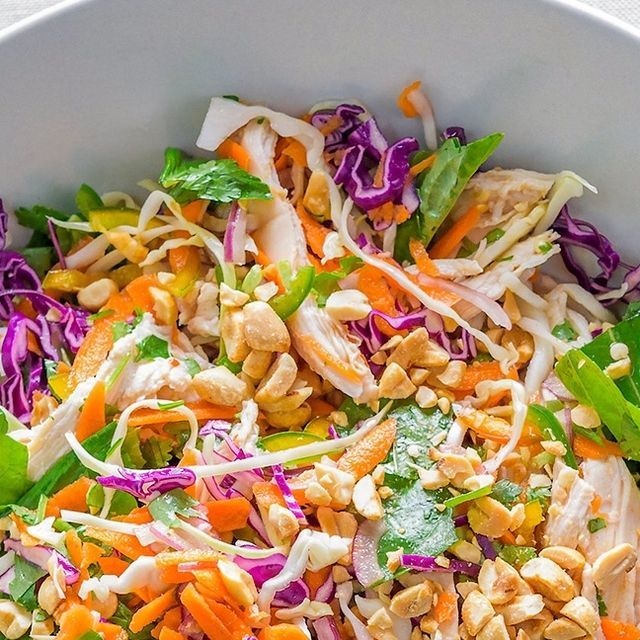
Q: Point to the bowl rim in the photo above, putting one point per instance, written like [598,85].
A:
[579,9]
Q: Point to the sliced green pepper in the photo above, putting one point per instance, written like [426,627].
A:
[286,304]
[289,440]
[551,428]
[466,497]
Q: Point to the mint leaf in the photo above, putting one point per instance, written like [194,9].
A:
[13,470]
[22,587]
[152,347]
[442,185]
[217,180]
[167,507]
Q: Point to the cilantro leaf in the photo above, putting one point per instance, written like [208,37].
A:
[22,587]
[541,494]
[152,347]
[326,283]
[506,492]
[167,507]
[217,180]
[131,452]
[122,617]
[13,471]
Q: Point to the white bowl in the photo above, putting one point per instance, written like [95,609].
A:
[94,90]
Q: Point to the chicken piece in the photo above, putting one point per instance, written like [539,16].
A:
[319,339]
[502,190]
[611,484]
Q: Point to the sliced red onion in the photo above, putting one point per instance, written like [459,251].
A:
[56,243]
[326,629]
[428,563]
[455,132]
[365,552]
[409,198]
[326,591]
[6,579]
[461,521]
[487,547]
[332,433]
[287,494]
[147,485]
[40,556]
[235,235]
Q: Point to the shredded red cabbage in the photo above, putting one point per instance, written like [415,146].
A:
[287,494]
[56,243]
[147,485]
[40,556]
[348,116]
[486,546]
[428,563]
[455,132]
[234,235]
[369,136]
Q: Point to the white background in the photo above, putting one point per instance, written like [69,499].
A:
[13,10]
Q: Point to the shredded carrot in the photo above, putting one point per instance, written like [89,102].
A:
[500,431]
[596,503]
[193,211]
[228,515]
[404,104]
[445,607]
[110,631]
[319,407]
[124,543]
[314,232]
[421,166]
[375,286]
[267,494]
[586,448]
[447,243]
[91,553]
[420,256]
[507,538]
[614,630]
[74,622]
[151,611]
[92,416]
[388,213]
[296,151]
[204,411]
[234,151]
[173,618]
[363,456]
[282,632]
[72,497]
[315,579]
[173,575]
[197,606]
[170,634]
[479,371]
[112,565]
[139,515]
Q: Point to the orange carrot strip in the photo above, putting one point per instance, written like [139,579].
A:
[124,543]
[445,607]
[74,622]
[72,497]
[204,411]
[404,104]
[363,456]
[320,407]
[372,283]
[230,619]
[314,232]
[74,547]
[92,416]
[479,371]
[172,575]
[197,606]
[111,631]
[424,263]
[151,611]
[234,151]
[458,231]
[614,630]
[140,515]
[170,634]
[267,494]
[173,618]
[282,632]
[329,360]
[228,515]
[419,167]
[296,152]
[586,448]
[112,565]
[193,211]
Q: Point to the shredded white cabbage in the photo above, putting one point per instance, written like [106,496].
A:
[117,199]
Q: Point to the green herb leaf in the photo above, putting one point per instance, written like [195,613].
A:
[354,412]
[152,347]
[217,180]
[506,492]
[122,617]
[564,331]
[122,503]
[413,522]
[595,524]
[28,516]
[87,200]
[416,430]
[36,217]
[130,450]
[90,635]
[602,607]
[157,452]
[14,480]
[455,164]
[545,247]
[22,587]
[326,282]
[40,259]
[632,311]
[551,429]
[494,234]
[68,468]
[592,387]
[540,494]
[120,329]
[167,507]
[105,313]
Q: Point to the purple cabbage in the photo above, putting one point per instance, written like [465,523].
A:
[369,137]
[349,116]
[455,132]
[354,175]
[56,243]
[147,485]
[262,569]
[487,547]
[287,494]
[428,563]
[326,628]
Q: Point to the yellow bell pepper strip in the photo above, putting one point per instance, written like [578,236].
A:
[105,219]
[68,280]
[185,264]
[289,440]
[287,303]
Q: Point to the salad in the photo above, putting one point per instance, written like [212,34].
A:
[319,385]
